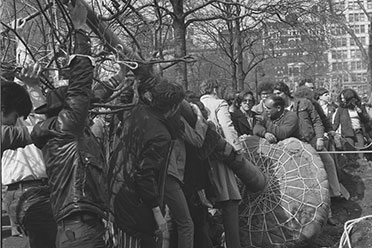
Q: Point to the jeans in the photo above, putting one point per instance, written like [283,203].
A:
[176,201]
[34,213]
[330,168]
[230,218]
[199,215]
[81,233]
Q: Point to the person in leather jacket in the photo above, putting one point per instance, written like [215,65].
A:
[74,160]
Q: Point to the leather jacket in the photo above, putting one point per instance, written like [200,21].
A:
[73,157]
[137,168]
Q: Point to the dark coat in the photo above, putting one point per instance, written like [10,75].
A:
[241,123]
[73,157]
[326,121]
[342,117]
[284,127]
[137,165]
[310,124]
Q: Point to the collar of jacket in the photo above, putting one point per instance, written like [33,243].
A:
[208,96]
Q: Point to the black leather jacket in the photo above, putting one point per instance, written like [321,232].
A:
[73,157]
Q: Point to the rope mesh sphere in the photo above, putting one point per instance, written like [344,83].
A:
[294,206]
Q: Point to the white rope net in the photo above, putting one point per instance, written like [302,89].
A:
[294,206]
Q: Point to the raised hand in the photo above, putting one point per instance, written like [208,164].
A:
[30,74]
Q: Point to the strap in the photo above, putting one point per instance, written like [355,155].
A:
[163,175]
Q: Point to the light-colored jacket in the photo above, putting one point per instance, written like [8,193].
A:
[222,176]
[218,113]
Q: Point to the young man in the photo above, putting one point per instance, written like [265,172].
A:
[15,103]
[23,170]
[75,163]
[141,157]
[265,89]
[243,118]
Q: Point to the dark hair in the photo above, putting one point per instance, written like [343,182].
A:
[304,81]
[166,95]
[351,99]
[304,92]
[243,94]
[281,86]
[207,86]
[278,101]
[321,91]
[15,98]
[191,96]
[265,86]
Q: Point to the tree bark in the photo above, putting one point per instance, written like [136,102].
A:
[239,51]
[179,28]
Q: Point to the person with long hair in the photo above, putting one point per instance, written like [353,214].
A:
[352,116]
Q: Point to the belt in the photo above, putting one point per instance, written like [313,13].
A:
[79,217]
[27,184]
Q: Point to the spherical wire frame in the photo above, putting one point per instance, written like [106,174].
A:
[294,205]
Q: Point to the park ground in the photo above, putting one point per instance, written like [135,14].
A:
[357,179]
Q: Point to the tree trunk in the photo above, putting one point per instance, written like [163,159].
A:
[239,51]
[179,28]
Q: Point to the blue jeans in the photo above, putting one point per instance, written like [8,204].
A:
[176,201]
[81,233]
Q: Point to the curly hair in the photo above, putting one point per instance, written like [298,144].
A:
[304,92]
[15,98]
[243,94]
[281,86]
[207,86]
[265,86]
[166,95]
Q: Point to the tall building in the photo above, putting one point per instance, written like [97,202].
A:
[291,54]
[348,55]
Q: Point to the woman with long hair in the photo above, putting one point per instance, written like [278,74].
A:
[352,116]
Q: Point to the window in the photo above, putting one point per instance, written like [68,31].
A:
[351,17]
[352,42]
[369,4]
[362,29]
[343,41]
[353,65]
[362,17]
[363,40]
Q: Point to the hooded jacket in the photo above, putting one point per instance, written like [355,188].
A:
[73,157]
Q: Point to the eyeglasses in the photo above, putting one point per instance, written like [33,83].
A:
[277,93]
[247,100]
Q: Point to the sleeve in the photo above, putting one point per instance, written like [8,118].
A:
[72,119]
[224,119]
[286,129]
[315,120]
[336,121]
[153,161]
[195,136]
[259,129]
[13,137]
[364,117]
[325,120]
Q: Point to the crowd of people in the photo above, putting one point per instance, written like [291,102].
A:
[74,179]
